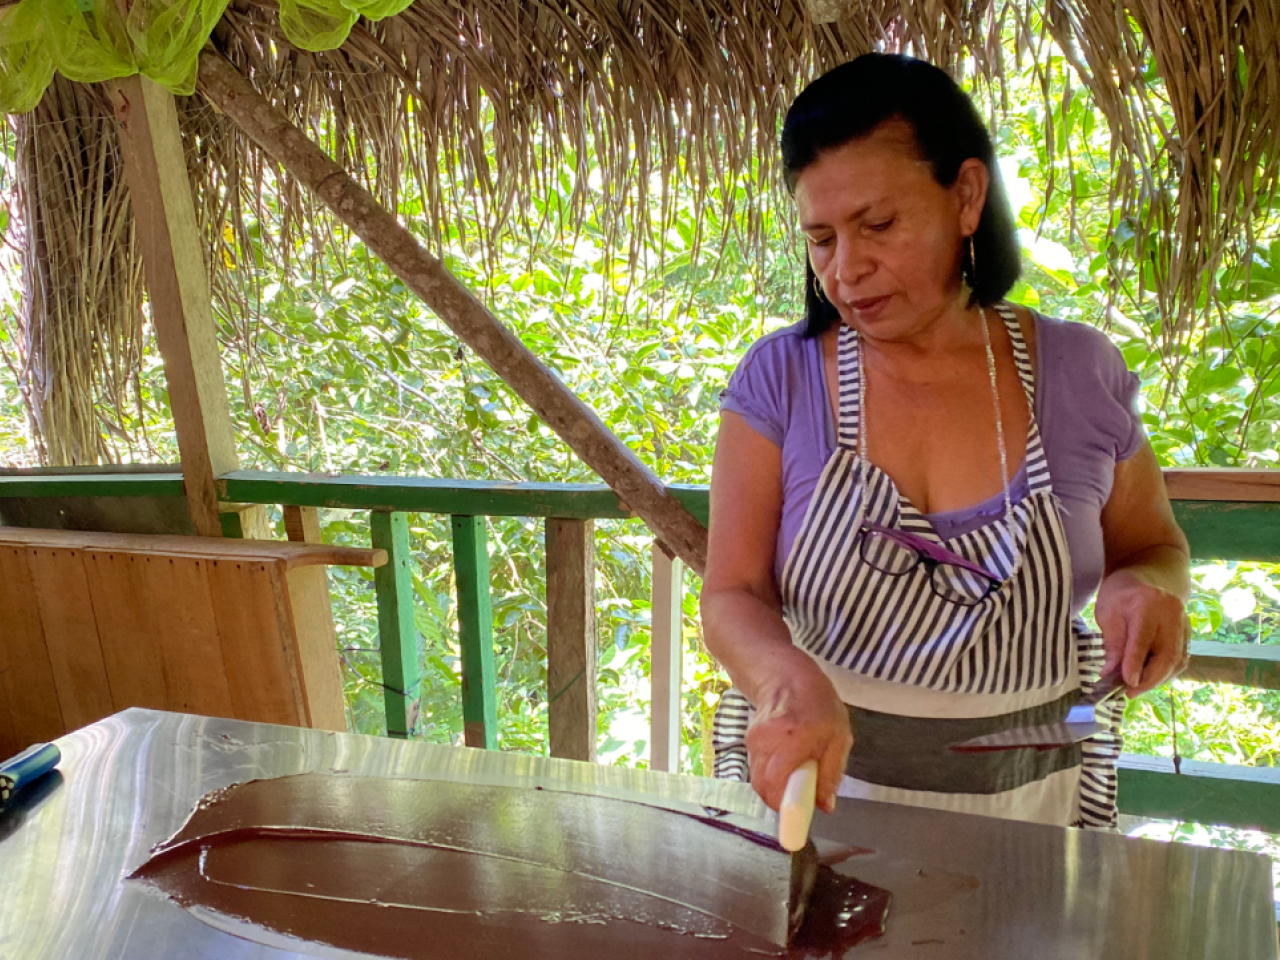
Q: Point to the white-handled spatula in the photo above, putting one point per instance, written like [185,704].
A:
[795,813]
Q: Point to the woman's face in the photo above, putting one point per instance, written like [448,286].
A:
[884,237]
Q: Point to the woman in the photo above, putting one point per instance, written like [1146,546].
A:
[919,488]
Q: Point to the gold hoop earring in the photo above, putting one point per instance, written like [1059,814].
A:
[973,266]
[817,289]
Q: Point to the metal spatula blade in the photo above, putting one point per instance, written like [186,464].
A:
[1080,724]
[795,814]
[804,874]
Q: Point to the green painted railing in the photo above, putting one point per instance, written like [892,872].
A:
[1230,530]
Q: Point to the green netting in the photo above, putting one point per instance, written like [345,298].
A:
[87,40]
[26,65]
[324,24]
[168,35]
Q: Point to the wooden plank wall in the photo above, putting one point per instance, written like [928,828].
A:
[256,645]
[126,629]
[70,634]
[31,711]
[88,632]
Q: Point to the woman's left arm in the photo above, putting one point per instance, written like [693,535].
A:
[1140,606]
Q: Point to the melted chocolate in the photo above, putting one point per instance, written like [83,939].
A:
[842,913]
[418,869]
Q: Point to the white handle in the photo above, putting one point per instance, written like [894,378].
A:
[796,812]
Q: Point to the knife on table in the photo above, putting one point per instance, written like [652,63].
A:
[26,768]
[1080,723]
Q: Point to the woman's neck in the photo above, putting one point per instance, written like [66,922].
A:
[954,332]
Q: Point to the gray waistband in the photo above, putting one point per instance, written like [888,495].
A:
[911,752]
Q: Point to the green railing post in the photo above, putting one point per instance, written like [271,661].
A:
[232,526]
[475,624]
[397,633]
[245,521]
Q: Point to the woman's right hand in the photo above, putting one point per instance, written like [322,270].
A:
[798,717]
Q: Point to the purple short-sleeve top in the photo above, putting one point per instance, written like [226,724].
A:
[1085,405]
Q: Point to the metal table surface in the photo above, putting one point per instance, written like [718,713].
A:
[963,886]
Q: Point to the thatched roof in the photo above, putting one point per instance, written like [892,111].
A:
[688,90]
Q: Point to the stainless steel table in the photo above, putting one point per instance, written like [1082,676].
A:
[963,886]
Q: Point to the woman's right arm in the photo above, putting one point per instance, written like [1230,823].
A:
[799,717]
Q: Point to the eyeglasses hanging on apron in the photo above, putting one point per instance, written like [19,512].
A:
[952,577]
[930,641]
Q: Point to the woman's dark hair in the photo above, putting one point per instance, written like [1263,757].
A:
[855,98]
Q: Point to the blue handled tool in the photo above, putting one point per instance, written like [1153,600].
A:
[27,767]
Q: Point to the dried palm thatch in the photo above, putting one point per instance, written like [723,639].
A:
[649,90]
[496,94]
[80,326]
[1199,182]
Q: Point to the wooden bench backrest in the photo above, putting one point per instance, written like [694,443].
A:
[92,623]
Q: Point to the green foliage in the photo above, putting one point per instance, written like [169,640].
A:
[1215,403]
[1221,723]
[14,435]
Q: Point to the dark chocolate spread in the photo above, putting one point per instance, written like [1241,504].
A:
[418,869]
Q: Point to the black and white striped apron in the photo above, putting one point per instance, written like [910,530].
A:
[918,672]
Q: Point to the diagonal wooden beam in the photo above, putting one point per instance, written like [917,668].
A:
[227,89]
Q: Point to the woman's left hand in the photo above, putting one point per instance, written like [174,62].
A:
[1144,629]
[1140,603]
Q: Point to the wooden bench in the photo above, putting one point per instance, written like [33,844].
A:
[92,623]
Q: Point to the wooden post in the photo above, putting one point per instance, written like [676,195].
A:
[397,633]
[302,524]
[426,276]
[571,638]
[313,618]
[475,626]
[666,661]
[151,146]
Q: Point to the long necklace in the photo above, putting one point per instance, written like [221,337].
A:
[995,395]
